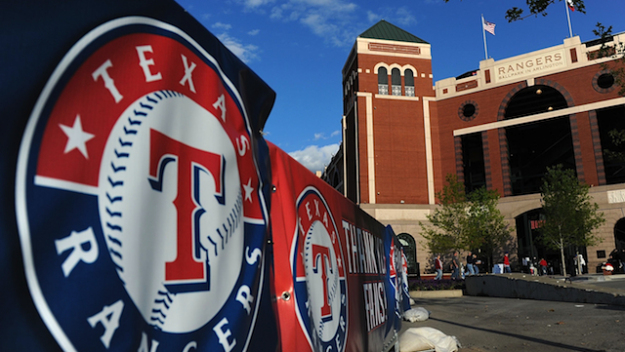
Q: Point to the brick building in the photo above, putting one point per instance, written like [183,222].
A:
[499,127]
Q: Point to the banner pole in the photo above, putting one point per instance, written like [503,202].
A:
[484,35]
[568,17]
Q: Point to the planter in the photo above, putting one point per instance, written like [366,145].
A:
[436,294]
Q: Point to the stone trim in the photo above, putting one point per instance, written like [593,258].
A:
[596,142]
[487,167]
[577,148]
[459,159]
[505,163]
[501,112]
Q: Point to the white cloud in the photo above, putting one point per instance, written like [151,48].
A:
[399,16]
[276,13]
[220,25]
[252,4]
[322,135]
[245,52]
[373,17]
[404,17]
[315,158]
[331,19]
[254,32]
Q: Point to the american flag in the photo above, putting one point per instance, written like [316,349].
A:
[489,26]
[570,4]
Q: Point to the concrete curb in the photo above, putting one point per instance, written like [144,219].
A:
[541,288]
[435,294]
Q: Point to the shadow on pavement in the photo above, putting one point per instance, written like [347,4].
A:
[522,337]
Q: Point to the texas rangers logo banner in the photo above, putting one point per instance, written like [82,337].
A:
[332,267]
[140,195]
[397,279]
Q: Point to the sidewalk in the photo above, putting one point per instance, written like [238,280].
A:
[484,324]
[495,323]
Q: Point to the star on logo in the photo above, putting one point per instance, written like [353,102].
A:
[76,137]
[248,190]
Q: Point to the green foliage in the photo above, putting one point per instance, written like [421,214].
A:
[618,138]
[570,215]
[487,230]
[465,222]
[448,221]
[539,7]
[616,51]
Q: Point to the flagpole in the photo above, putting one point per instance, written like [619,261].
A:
[568,17]
[484,35]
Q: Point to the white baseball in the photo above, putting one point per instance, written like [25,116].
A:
[317,234]
[140,224]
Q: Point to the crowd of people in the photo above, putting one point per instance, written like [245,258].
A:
[534,266]
[458,269]
[576,265]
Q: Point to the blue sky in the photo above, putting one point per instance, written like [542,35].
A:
[299,48]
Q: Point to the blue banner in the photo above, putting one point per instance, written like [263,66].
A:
[134,183]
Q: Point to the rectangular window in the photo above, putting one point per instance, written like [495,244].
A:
[383,89]
[611,121]
[409,91]
[473,162]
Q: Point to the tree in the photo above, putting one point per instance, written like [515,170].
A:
[487,230]
[615,51]
[539,7]
[570,215]
[616,67]
[462,222]
[449,220]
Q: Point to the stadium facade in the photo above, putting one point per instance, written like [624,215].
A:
[499,126]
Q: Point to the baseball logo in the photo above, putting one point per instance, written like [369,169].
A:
[137,188]
[320,282]
[186,259]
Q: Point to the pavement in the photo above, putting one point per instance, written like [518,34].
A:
[588,314]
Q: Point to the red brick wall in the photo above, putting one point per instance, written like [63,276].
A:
[578,89]
[399,138]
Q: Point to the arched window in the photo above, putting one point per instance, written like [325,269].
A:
[396,81]
[409,83]
[534,100]
[410,250]
[532,147]
[382,81]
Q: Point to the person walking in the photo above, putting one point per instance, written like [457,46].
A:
[476,262]
[506,263]
[455,266]
[543,266]
[438,266]
[470,266]
[580,264]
